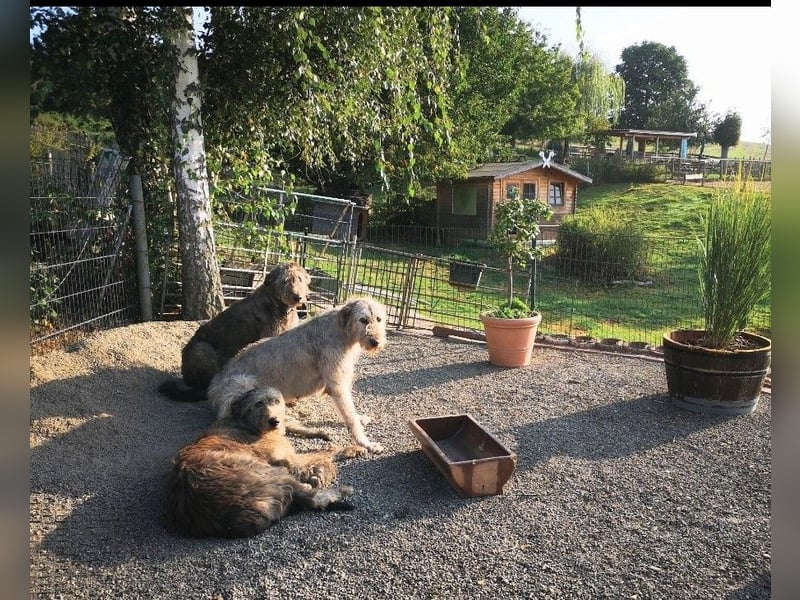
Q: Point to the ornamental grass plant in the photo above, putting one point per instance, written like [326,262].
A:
[734,260]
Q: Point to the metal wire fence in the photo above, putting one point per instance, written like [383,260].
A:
[81,278]
[83,274]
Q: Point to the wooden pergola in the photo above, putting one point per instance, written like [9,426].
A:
[642,136]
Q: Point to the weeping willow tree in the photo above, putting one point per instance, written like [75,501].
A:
[601,92]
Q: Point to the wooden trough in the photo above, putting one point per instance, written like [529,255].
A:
[470,457]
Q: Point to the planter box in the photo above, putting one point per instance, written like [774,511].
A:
[465,275]
[472,459]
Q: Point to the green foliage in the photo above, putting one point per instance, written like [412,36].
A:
[515,309]
[67,134]
[418,211]
[601,246]
[734,260]
[618,170]
[43,286]
[109,64]
[359,99]
[658,91]
[515,228]
[601,94]
[511,85]
[546,106]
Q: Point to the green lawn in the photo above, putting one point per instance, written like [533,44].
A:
[670,215]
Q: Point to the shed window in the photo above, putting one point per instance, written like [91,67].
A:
[555,196]
[529,191]
[465,200]
[511,189]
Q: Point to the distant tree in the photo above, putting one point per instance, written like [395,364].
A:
[486,93]
[546,105]
[601,93]
[728,131]
[658,92]
[601,96]
[704,126]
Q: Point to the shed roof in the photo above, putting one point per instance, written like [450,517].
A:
[507,169]
[650,133]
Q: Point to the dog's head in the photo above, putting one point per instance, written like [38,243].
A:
[364,320]
[260,410]
[290,283]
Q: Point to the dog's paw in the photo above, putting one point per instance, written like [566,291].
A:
[321,476]
[351,451]
[346,491]
[373,447]
[322,434]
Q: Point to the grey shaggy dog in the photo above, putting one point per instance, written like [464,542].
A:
[242,474]
[269,311]
[317,356]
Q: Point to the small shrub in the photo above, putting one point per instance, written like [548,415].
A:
[43,306]
[516,309]
[599,247]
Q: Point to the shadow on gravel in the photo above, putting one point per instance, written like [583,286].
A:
[399,382]
[759,587]
[624,428]
[98,454]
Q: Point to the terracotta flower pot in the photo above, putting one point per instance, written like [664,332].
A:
[510,341]
[715,381]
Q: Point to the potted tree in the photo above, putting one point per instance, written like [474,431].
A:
[720,369]
[511,327]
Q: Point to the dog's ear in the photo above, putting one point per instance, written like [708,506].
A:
[244,409]
[239,406]
[275,276]
[345,314]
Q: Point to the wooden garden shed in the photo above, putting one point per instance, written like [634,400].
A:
[468,204]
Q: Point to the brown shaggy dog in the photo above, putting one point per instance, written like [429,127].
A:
[269,311]
[242,474]
[317,356]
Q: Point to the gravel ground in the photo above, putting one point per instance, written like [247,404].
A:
[616,492]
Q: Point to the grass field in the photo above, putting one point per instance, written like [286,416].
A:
[744,150]
[669,215]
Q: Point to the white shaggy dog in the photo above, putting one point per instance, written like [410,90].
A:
[319,355]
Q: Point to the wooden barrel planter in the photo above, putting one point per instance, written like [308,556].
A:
[715,381]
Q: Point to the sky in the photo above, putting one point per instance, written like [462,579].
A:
[728,50]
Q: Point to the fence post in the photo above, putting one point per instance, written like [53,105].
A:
[142,262]
[408,290]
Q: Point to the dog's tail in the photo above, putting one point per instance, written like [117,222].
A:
[176,389]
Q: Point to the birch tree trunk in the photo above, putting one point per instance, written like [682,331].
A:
[202,287]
